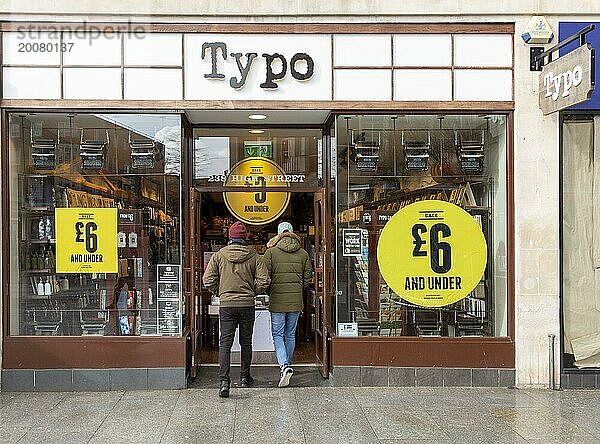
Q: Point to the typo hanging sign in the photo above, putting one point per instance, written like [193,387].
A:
[568,80]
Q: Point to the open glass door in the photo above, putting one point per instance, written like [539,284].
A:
[195,307]
[321,283]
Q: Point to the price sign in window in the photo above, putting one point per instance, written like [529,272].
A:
[86,240]
[432,253]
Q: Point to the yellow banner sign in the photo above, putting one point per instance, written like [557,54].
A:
[432,253]
[257,207]
[86,240]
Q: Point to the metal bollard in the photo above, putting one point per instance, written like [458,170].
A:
[551,384]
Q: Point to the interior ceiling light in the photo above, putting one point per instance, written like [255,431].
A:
[256,131]
[257,116]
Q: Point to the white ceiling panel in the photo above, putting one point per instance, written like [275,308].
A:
[274,117]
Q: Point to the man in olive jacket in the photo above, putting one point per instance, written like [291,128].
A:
[236,274]
[291,272]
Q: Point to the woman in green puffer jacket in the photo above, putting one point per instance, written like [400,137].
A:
[291,272]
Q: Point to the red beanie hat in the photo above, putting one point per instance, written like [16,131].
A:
[238,230]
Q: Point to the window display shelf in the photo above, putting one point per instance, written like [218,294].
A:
[69,292]
[38,209]
[40,241]
[477,208]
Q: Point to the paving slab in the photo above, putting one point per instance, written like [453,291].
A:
[541,423]
[138,416]
[67,423]
[393,423]
[26,410]
[268,420]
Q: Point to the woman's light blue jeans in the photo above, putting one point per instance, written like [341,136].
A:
[283,328]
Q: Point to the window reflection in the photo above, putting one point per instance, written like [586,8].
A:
[296,151]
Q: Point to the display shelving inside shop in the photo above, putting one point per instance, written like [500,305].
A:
[146,200]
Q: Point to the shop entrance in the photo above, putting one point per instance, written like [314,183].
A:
[210,218]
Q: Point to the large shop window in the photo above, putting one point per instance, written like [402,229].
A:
[580,241]
[386,163]
[95,224]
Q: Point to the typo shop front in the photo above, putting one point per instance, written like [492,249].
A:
[126,156]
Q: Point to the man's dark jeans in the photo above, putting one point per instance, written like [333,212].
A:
[229,319]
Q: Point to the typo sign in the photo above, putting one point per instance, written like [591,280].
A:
[255,66]
[301,66]
[568,80]
[383,217]
[169,308]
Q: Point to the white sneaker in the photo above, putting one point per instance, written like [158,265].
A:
[286,375]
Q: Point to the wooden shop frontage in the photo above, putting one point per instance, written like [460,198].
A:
[126,154]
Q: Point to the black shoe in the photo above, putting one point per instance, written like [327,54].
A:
[224,389]
[246,381]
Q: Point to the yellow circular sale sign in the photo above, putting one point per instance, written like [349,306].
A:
[432,253]
[257,207]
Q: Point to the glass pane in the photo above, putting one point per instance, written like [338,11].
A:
[580,218]
[385,163]
[85,162]
[295,151]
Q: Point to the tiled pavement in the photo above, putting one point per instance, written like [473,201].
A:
[304,415]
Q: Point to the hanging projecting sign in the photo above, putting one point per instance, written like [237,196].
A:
[86,240]
[258,207]
[432,253]
[568,80]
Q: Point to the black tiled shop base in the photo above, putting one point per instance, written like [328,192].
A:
[93,379]
[580,380]
[348,376]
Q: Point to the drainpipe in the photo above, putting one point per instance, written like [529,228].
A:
[551,383]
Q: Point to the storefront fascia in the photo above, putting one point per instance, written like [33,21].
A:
[393,85]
